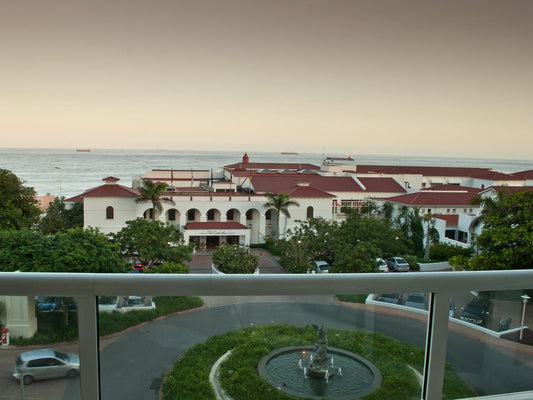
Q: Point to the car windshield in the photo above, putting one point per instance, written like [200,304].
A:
[401,261]
[61,356]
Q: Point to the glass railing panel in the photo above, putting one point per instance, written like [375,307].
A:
[487,346]
[176,351]
[39,353]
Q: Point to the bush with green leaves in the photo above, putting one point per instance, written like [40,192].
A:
[444,251]
[235,260]
[168,268]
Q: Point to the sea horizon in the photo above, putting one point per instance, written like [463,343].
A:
[67,172]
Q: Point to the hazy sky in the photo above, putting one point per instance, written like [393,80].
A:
[406,77]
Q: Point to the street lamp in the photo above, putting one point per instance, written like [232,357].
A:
[525,298]
[60,179]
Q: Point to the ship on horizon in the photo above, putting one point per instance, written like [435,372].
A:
[292,153]
[83,150]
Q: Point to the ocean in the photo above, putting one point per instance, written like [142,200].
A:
[68,172]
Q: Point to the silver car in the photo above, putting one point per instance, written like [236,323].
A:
[397,264]
[46,364]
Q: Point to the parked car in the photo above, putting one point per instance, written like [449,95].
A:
[393,298]
[46,303]
[382,265]
[397,264]
[46,364]
[417,300]
[320,267]
[477,311]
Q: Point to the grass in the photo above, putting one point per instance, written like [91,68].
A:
[188,378]
[51,328]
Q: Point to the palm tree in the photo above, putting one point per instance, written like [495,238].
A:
[152,192]
[281,203]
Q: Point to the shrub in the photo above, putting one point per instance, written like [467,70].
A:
[235,260]
[443,251]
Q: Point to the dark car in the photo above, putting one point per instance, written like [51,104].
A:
[46,303]
[397,264]
[477,311]
[417,300]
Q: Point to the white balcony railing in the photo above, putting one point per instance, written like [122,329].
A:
[86,287]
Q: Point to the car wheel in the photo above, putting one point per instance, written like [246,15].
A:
[72,373]
[27,379]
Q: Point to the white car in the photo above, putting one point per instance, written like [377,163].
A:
[382,265]
[320,267]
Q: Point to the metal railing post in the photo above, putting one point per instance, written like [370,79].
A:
[436,342]
[89,353]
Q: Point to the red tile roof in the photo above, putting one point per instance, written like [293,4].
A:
[214,225]
[381,185]
[452,188]
[286,183]
[523,174]
[273,166]
[507,190]
[480,173]
[451,219]
[108,190]
[309,192]
[434,199]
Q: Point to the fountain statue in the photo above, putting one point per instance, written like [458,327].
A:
[282,368]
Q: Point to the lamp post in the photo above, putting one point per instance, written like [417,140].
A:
[60,179]
[525,298]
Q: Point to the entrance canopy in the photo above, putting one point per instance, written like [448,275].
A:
[226,232]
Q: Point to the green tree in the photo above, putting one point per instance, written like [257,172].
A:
[312,239]
[54,220]
[361,239]
[281,203]
[235,260]
[506,241]
[59,218]
[410,223]
[153,192]
[152,242]
[18,205]
[168,268]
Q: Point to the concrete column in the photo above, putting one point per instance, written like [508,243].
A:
[20,315]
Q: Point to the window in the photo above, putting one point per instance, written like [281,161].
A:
[190,215]
[309,212]
[447,210]
[109,213]
[172,215]
[268,215]
[423,184]
[211,215]
[249,215]
[229,215]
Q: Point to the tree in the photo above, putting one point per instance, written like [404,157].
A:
[312,239]
[59,218]
[152,192]
[281,203]
[18,205]
[506,241]
[152,242]
[410,223]
[361,239]
[235,260]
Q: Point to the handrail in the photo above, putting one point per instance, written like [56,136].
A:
[87,286]
[80,284]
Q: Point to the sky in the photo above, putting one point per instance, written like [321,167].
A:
[409,77]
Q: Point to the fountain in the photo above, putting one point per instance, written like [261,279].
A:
[319,371]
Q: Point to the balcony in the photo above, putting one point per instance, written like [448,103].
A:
[491,365]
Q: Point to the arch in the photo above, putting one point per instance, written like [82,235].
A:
[310,212]
[193,215]
[148,214]
[109,213]
[172,216]
[213,215]
[233,215]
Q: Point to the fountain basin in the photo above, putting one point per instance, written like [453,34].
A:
[359,376]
